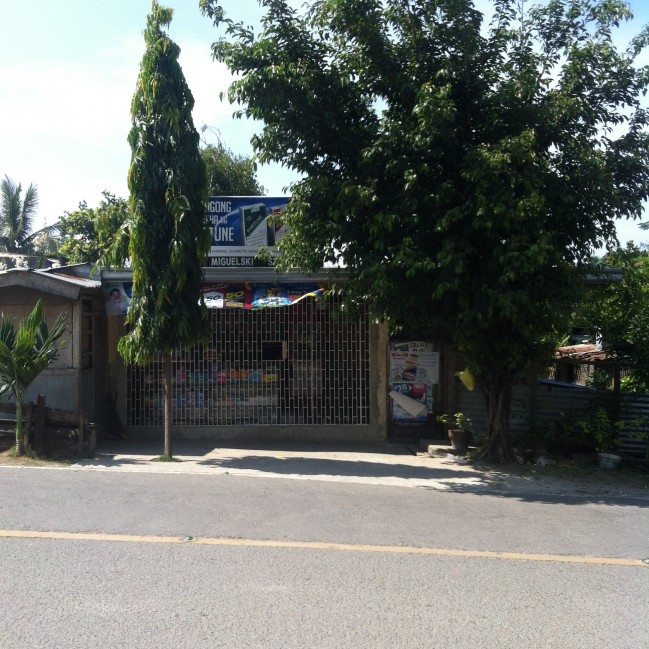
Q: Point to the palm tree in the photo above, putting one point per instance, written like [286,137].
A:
[17,217]
[24,354]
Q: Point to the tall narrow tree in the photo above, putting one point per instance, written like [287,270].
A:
[169,237]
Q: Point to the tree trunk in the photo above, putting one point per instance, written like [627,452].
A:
[20,441]
[168,406]
[498,399]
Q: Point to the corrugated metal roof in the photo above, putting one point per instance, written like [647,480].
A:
[67,286]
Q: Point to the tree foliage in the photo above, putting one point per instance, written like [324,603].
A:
[460,174]
[228,173]
[24,353]
[101,234]
[87,233]
[168,234]
[17,214]
[617,312]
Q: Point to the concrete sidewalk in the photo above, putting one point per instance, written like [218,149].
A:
[391,464]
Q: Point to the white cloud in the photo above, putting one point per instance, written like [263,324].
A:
[65,124]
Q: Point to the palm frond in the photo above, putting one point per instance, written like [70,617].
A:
[25,352]
[16,214]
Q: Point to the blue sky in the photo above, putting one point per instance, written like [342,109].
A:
[68,70]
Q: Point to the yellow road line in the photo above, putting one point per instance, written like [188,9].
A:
[315,545]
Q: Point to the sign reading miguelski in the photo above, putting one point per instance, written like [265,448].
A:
[241,226]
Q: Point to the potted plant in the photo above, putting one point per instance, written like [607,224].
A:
[459,430]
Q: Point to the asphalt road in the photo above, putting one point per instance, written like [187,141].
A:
[101,559]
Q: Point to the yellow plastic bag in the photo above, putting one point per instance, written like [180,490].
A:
[468,380]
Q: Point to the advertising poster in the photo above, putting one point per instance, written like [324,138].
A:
[118,297]
[227,296]
[243,225]
[270,295]
[409,403]
[414,370]
[257,296]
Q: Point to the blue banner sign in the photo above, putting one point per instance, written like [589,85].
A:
[241,226]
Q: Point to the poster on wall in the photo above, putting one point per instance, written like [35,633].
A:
[414,370]
[271,295]
[409,403]
[226,296]
[256,296]
[117,296]
[241,226]
[223,295]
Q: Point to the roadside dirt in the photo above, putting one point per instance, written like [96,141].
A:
[570,478]
[8,456]
[559,477]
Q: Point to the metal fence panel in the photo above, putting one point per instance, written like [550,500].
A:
[555,399]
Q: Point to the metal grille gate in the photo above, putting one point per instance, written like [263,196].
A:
[293,365]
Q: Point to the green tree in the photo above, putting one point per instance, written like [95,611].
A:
[24,354]
[618,312]
[460,174]
[87,233]
[229,174]
[17,213]
[169,237]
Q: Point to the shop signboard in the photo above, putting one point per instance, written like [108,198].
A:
[242,226]
[414,370]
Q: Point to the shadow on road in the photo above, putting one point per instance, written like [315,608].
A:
[334,467]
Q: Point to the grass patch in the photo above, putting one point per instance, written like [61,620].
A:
[8,457]
[166,458]
[51,457]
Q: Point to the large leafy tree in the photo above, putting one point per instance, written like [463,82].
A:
[17,214]
[88,233]
[460,174]
[24,353]
[168,234]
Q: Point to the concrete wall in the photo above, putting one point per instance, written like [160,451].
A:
[64,383]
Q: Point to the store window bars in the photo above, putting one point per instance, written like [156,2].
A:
[295,365]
